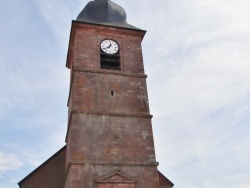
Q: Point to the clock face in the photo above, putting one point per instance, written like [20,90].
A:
[109,46]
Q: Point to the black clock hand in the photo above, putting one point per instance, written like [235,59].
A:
[108,46]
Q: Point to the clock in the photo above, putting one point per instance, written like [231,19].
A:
[109,46]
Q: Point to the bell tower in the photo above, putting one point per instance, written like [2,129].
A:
[109,138]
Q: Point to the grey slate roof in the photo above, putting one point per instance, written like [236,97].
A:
[104,12]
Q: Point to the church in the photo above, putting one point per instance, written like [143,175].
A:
[109,139]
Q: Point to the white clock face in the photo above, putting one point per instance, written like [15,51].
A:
[109,46]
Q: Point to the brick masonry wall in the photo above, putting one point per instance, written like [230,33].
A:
[111,138]
[110,124]
[84,48]
[107,93]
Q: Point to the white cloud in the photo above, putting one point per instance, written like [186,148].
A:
[8,162]
[58,16]
[200,71]
[203,64]
[196,55]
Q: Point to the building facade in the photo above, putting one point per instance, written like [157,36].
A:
[109,141]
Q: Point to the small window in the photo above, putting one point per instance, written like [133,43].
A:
[110,61]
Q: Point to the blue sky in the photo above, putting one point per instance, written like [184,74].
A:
[196,56]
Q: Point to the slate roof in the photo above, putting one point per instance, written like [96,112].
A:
[104,12]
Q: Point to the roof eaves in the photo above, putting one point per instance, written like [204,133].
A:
[43,164]
[165,178]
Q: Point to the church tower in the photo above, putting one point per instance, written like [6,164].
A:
[109,140]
